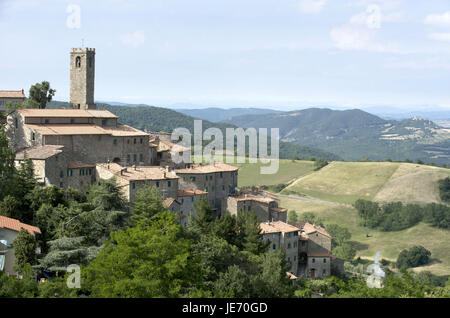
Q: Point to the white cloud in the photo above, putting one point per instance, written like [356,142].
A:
[312,6]
[134,39]
[384,4]
[360,33]
[438,19]
[432,63]
[440,36]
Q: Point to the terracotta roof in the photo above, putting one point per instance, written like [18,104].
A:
[39,152]
[309,228]
[79,164]
[73,129]
[190,193]
[86,129]
[66,112]
[164,145]
[276,227]
[124,130]
[169,201]
[16,225]
[252,198]
[141,172]
[12,94]
[279,210]
[208,168]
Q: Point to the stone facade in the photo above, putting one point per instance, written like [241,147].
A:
[285,236]
[82,78]
[265,209]
[218,179]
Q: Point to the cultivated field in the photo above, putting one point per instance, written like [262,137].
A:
[289,170]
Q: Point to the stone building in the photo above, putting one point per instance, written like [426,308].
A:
[285,236]
[187,199]
[9,229]
[131,179]
[14,97]
[265,208]
[165,150]
[218,179]
[314,251]
[82,78]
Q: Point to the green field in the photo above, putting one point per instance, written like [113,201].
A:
[289,170]
[389,243]
[347,182]
[342,183]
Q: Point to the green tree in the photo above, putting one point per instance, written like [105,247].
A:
[310,217]
[249,233]
[292,216]
[234,283]
[10,207]
[345,251]
[40,94]
[24,249]
[340,234]
[144,261]
[415,256]
[203,219]
[147,203]
[7,168]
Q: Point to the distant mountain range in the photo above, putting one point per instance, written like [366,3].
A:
[356,134]
[214,114]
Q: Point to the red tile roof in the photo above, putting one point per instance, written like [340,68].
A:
[190,193]
[16,225]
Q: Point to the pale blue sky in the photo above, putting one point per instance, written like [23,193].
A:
[267,53]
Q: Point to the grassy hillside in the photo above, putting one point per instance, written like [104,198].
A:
[389,243]
[289,170]
[347,182]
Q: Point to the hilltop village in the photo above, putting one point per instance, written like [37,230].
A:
[76,147]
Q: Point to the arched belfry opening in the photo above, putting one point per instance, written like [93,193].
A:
[78,62]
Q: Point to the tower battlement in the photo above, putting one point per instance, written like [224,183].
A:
[82,50]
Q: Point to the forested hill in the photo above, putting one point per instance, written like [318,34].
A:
[152,118]
[355,134]
[219,114]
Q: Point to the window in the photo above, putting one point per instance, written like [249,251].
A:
[295,233]
[192,199]
[90,172]
[324,272]
[115,142]
[221,174]
[133,185]
[192,179]
[289,245]
[78,62]
[134,141]
[141,157]
[16,122]
[69,172]
[61,174]
[223,187]
[313,260]
[210,177]
[47,121]
[274,246]
[324,260]
[134,158]
[128,158]
[169,183]
[157,184]
[141,141]
[33,137]
[295,258]
[103,122]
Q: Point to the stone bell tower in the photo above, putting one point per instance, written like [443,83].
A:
[82,78]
